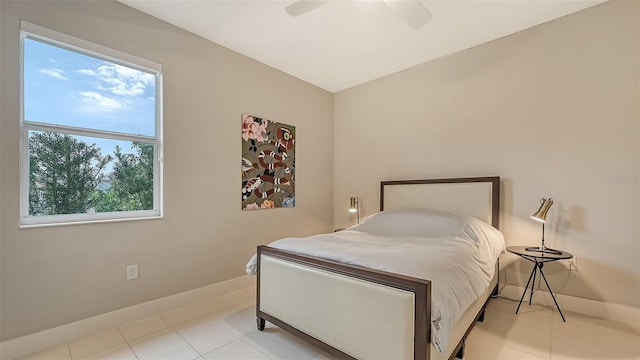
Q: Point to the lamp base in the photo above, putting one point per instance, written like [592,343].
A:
[544,249]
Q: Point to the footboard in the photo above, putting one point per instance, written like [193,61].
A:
[348,311]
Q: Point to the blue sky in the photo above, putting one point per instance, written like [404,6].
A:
[69,88]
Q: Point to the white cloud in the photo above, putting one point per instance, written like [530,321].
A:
[124,85]
[131,90]
[55,73]
[106,71]
[100,102]
[124,81]
[86,72]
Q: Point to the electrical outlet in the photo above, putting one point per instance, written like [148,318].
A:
[132,272]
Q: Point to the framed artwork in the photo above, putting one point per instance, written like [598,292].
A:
[268,164]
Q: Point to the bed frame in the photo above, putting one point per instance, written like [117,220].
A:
[353,312]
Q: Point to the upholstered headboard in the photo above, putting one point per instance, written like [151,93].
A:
[474,196]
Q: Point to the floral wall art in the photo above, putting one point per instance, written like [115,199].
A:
[268,164]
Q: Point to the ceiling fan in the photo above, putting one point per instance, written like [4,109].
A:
[412,12]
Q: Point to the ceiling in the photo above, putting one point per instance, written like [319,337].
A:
[349,42]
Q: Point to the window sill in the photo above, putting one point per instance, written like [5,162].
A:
[32,225]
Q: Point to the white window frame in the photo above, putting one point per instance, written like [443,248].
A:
[32,31]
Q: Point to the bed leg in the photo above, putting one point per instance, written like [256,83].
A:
[460,353]
[481,317]
[260,322]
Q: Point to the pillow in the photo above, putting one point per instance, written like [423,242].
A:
[425,223]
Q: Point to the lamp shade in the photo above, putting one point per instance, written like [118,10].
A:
[354,204]
[541,214]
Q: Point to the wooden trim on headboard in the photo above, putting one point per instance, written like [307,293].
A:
[495,191]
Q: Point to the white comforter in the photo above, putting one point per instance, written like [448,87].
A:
[457,254]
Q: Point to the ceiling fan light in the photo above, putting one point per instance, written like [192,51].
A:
[303,6]
[412,12]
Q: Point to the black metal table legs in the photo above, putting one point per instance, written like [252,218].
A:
[538,267]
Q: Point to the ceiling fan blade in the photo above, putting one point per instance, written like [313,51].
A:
[412,12]
[303,6]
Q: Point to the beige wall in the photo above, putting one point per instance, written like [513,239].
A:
[554,110]
[55,275]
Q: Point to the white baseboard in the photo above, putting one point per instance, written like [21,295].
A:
[624,314]
[42,340]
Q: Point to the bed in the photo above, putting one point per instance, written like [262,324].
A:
[354,309]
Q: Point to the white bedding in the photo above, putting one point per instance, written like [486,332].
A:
[457,253]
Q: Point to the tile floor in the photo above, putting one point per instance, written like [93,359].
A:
[224,328]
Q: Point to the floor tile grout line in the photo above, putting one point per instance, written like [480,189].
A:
[232,341]
[69,350]
[553,320]
[257,348]
[96,352]
[147,334]
[117,328]
[505,344]
[175,331]
[132,351]
[253,346]
[187,342]
[183,321]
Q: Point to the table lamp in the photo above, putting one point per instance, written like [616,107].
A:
[541,216]
[355,208]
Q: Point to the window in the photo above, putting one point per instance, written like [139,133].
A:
[91,132]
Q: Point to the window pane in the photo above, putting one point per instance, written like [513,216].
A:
[71,174]
[69,88]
